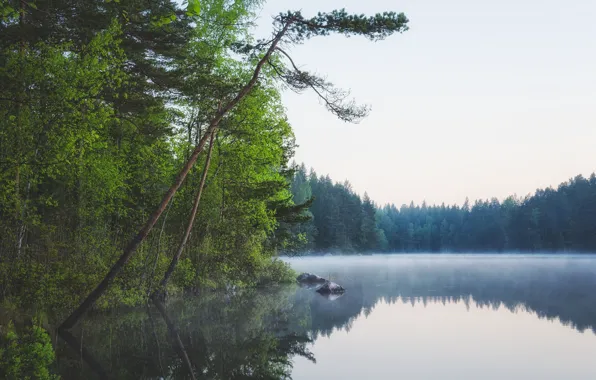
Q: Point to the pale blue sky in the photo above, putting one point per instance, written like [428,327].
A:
[479,98]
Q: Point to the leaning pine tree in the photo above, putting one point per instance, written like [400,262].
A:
[290,28]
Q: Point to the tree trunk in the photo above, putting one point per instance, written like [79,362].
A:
[176,337]
[164,282]
[77,346]
[163,225]
[19,213]
[142,234]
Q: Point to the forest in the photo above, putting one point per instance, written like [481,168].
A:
[101,103]
[144,155]
[550,220]
[145,149]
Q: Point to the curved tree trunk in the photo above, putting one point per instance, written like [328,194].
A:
[142,234]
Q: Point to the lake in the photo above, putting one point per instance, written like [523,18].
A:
[402,317]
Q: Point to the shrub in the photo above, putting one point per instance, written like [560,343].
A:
[28,355]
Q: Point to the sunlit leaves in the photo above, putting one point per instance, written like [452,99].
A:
[7,11]
[110,98]
[193,8]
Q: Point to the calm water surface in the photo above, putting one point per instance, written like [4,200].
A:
[402,317]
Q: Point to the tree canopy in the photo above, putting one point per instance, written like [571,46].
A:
[551,220]
[106,109]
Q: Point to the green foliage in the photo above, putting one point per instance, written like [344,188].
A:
[374,27]
[185,273]
[101,104]
[339,220]
[89,147]
[27,354]
[551,220]
[7,11]
[193,8]
[276,272]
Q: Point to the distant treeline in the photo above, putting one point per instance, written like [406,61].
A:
[555,220]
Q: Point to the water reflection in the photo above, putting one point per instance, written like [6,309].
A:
[242,336]
[450,341]
[560,288]
[260,334]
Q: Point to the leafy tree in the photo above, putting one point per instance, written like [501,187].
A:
[106,107]
[26,354]
[290,27]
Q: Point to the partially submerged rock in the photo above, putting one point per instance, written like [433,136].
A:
[331,296]
[309,278]
[323,286]
[330,288]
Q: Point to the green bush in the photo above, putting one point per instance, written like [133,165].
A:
[275,271]
[28,355]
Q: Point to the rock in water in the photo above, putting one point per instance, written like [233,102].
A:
[330,288]
[331,297]
[309,278]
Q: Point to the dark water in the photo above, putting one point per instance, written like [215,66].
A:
[402,317]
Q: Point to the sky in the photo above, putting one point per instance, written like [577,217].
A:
[480,98]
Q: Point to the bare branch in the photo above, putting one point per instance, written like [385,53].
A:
[335,100]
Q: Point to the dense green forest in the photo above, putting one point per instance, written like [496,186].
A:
[143,141]
[553,220]
[144,151]
[100,105]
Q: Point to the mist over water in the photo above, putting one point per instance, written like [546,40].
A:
[402,317]
[455,316]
